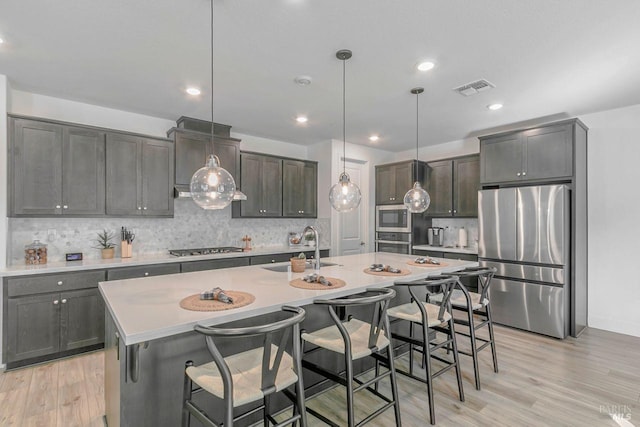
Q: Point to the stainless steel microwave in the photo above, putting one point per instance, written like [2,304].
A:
[394,218]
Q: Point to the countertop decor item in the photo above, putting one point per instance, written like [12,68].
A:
[105,244]
[417,200]
[295,239]
[194,303]
[212,186]
[386,270]
[429,262]
[317,286]
[344,196]
[247,243]
[126,242]
[299,263]
[35,253]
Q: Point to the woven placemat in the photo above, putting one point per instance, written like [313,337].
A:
[335,284]
[194,303]
[442,264]
[403,272]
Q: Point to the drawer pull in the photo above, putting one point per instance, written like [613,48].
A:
[60,283]
[146,273]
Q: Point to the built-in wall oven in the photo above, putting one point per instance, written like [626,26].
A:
[393,218]
[397,243]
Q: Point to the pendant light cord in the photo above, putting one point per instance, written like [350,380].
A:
[212,125]
[344,120]
[417,130]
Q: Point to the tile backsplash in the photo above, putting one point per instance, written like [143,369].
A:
[452,227]
[191,227]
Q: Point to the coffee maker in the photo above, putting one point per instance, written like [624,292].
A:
[435,236]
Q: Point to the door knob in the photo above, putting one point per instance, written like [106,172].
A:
[362,243]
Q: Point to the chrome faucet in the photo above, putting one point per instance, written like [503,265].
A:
[317,255]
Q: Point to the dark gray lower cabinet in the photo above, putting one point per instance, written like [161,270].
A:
[53,315]
[269,259]
[142,271]
[214,264]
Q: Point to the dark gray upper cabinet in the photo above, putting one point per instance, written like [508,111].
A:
[299,189]
[193,149]
[394,180]
[438,185]
[83,179]
[55,169]
[261,181]
[539,154]
[466,183]
[140,176]
[453,186]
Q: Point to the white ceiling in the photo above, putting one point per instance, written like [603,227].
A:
[548,59]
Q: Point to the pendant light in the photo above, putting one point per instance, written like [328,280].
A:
[212,186]
[417,200]
[344,196]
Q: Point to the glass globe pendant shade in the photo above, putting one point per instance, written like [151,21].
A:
[344,196]
[212,187]
[417,200]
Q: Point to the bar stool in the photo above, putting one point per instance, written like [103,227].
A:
[420,312]
[356,339]
[475,303]
[249,376]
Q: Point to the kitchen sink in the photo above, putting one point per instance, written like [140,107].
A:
[284,268]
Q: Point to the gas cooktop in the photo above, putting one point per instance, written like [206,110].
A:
[204,251]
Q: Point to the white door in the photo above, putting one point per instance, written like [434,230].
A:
[351,225]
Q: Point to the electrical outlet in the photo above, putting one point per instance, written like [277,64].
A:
[52,234]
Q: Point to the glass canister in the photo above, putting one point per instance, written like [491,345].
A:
[35,253]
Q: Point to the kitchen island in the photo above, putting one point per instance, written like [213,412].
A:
[149,336]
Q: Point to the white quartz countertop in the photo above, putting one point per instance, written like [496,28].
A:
[164,258]
[446,249]
[148,308]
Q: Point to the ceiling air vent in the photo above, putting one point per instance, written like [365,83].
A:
[474,87]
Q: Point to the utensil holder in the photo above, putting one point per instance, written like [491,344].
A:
[126,249]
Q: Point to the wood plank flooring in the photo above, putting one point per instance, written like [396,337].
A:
[542,382]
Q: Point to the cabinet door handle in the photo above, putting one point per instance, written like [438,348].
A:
[65,207]
[301,211]
[139,208]
[455,211]
[449,210]
[145,208]
[60,283]
[55,302]
[64,300]
[524,173]
[146,273]
[273,261]
[518,174]
[57,206]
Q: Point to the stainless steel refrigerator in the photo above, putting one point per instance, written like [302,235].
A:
[525,233]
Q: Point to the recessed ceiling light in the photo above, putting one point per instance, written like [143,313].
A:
[303,80]
[494,106]
[193,91]
[374,138]
[301,119]
[425,66]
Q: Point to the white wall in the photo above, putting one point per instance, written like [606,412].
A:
[31,104]
[4,100]
[270,146]
[614,218]
[445,150]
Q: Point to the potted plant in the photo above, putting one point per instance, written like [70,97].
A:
[105,244]
[310,239]
[299,263]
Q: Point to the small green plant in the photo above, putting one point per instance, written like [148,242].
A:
[104,240]
[302,256]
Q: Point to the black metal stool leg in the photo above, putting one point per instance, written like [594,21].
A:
[493,339]
[426,352]
[474,348]
[456,358]
[350,394]
[186,396]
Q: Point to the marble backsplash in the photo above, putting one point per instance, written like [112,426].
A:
[191,227]
[452,227]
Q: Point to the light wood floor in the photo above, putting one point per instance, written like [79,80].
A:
[542,381]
